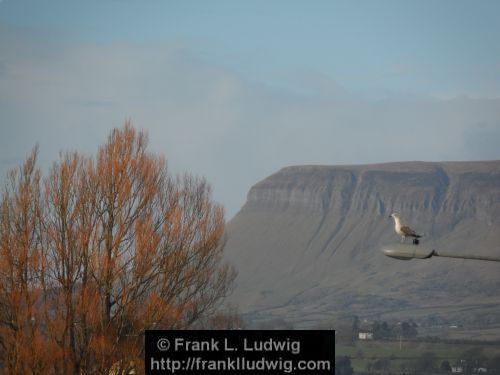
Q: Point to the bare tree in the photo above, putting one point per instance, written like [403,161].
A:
[102,250]
[23,347]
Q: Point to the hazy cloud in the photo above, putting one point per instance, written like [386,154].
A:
[211,121]
[481,142]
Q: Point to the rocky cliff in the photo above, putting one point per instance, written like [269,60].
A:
[307,243]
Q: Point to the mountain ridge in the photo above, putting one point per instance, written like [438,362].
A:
[307,241]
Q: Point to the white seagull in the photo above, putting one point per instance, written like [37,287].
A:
[403,230]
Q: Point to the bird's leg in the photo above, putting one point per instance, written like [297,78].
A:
[403,239]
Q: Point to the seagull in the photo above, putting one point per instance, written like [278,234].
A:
[403,230]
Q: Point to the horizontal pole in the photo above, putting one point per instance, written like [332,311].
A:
[467,256]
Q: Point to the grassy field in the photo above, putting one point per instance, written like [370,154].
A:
[362,353]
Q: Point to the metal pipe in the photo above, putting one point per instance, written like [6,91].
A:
[467,256]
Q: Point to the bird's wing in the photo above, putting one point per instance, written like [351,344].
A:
[407,231]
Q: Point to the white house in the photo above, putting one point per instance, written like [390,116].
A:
[365,335]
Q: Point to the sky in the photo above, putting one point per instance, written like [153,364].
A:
[236,90]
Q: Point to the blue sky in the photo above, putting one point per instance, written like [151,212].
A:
[235,90]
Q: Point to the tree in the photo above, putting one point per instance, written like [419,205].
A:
[494,364]
[445,367]
[425,363]
[343,366]
[382,364]
[99,251]
[355,327]
[381,331]
[23,349]
[474,356]
[409,329]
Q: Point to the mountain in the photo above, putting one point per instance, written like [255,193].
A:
[307,243]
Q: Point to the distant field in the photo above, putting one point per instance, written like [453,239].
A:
[491,333]
[364,352]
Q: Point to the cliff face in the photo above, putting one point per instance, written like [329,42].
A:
[307,242]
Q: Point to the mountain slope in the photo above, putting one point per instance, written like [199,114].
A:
[307,242]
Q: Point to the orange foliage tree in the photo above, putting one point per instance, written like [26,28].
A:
[99,251]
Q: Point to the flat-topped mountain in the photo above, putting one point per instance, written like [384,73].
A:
[307,243]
